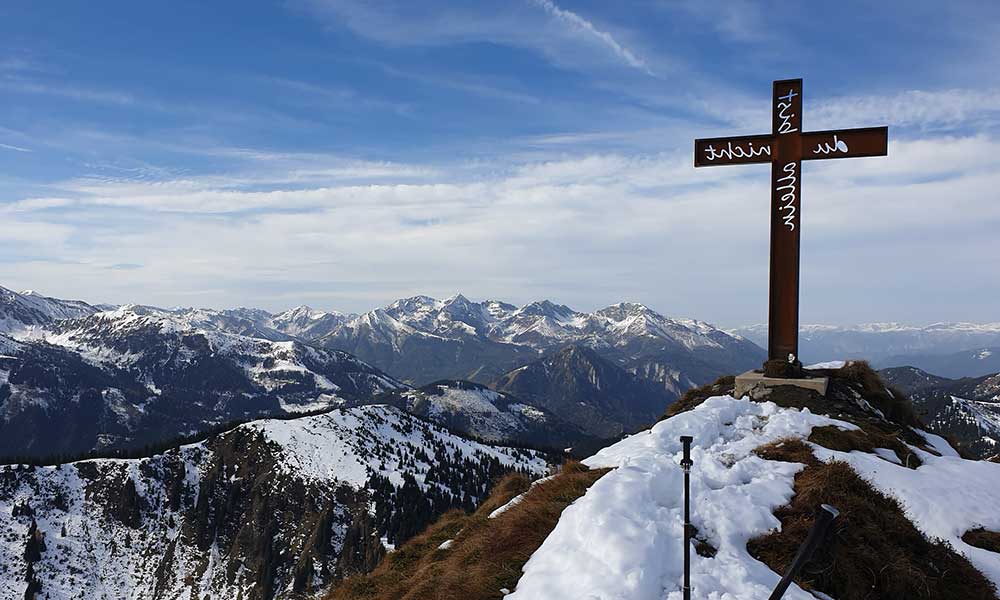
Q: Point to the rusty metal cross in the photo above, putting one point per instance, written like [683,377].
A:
[785,148]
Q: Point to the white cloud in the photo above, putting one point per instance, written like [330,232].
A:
[587,231]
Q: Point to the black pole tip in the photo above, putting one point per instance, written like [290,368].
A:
[686,439]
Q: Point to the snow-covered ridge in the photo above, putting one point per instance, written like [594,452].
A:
[128,335]
[622,538]
[485,414]
[538,324]
[23,312]
[193,521]
[338,445]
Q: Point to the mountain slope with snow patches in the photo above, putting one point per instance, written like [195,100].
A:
[139,375]
[477,411]
[22,312]
[305,322]
[966,410]
[270,509]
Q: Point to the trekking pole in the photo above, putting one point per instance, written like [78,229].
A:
[686,463]
[825,516]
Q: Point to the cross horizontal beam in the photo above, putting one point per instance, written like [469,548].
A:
[754,149]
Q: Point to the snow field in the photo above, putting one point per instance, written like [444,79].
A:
[623,539]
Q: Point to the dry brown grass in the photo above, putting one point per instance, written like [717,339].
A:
[485,556]
[892,402]
[866,439]
[875,552]
[983,538]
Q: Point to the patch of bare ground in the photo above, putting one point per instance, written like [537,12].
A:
[484,555]
[983,538]
[874,552]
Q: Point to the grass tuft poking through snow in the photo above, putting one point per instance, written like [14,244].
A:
[874,552]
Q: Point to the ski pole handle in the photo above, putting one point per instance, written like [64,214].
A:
[686,462]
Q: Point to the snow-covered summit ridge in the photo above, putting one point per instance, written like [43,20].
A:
[539,324]
[622,538]
[22,312]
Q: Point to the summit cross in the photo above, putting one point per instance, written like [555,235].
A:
[785,148]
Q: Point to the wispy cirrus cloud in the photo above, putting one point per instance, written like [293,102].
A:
[15,148]
[603,37]
[564,36]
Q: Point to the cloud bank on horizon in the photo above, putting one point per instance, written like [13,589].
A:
[345,153]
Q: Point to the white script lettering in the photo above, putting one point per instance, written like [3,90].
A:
[788,181]
[826,147]
[786,118]
[737,151]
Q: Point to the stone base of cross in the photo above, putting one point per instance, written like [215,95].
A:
[785,148]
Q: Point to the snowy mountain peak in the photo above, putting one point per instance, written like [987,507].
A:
[20,312]
[546,308]
[415,304]
[306,322]
[623,309]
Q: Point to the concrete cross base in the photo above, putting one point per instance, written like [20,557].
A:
[754,383]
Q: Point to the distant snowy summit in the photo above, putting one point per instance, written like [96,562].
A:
[948,349]
[423,339]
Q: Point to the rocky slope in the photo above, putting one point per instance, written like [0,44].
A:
[578,385]
[966,410]
[270,509]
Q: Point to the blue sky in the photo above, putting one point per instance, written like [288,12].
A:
[343,154]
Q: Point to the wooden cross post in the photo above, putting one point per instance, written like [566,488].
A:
[785,148]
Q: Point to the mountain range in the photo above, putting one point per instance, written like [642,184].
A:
[79,378]
[76,379]
[946,349]
[422,339]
